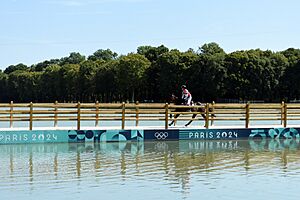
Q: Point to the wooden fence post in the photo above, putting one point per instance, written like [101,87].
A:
[78,115]
[166,116]
[282,112]
[30,116]
[285,115]
[247,115]
[212,109]
[11,114]
[55,113]
[97,113]
[207,115]
[123,115]
[136,113]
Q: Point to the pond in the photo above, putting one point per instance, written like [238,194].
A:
[229,169]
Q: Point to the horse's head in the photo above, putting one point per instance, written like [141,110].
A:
[175,99]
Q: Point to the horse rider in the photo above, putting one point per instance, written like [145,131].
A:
[186,96]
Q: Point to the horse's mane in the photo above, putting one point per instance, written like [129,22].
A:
[179,101]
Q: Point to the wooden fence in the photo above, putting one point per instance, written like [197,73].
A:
[97,112]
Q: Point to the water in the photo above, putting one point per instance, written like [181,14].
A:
[243,169]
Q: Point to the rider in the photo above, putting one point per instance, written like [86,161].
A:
[186,96]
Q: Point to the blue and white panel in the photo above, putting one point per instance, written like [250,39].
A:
[50,136]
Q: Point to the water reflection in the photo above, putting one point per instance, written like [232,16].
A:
[102,154]
[173,164]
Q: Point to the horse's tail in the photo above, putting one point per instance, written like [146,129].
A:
[203,109]
[198,103]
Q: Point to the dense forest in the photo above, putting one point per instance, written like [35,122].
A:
[152,74]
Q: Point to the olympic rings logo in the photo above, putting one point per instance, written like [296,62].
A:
[161,135]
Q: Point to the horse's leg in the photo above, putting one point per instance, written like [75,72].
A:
[212,116]
[173,121]
[193,118]
[204,116]
[211,110]
[202,110]
[212,119]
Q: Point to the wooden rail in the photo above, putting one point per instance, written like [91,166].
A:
[123,112]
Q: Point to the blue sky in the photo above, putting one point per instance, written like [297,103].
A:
[36,30]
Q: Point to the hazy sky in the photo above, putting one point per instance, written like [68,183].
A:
[36,30]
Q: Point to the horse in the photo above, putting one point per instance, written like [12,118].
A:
[179,101]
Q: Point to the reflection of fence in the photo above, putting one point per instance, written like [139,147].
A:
[137,112]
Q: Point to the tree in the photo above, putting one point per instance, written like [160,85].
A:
[173,67]
[152,73]
[3,87]
[50,84]
[69,80]
[130,74]
[74,58]
[291,81]
[288,85]
[87,73]
[279,64]
[105,55]
[23,86]
[254,74]
[106,81]
[293,55]
[13,68]
[210,49]
[43,65]
[208,74]
[152,53]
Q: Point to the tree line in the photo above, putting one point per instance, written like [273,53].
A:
[152,74]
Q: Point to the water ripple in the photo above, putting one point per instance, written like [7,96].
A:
[174,170]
